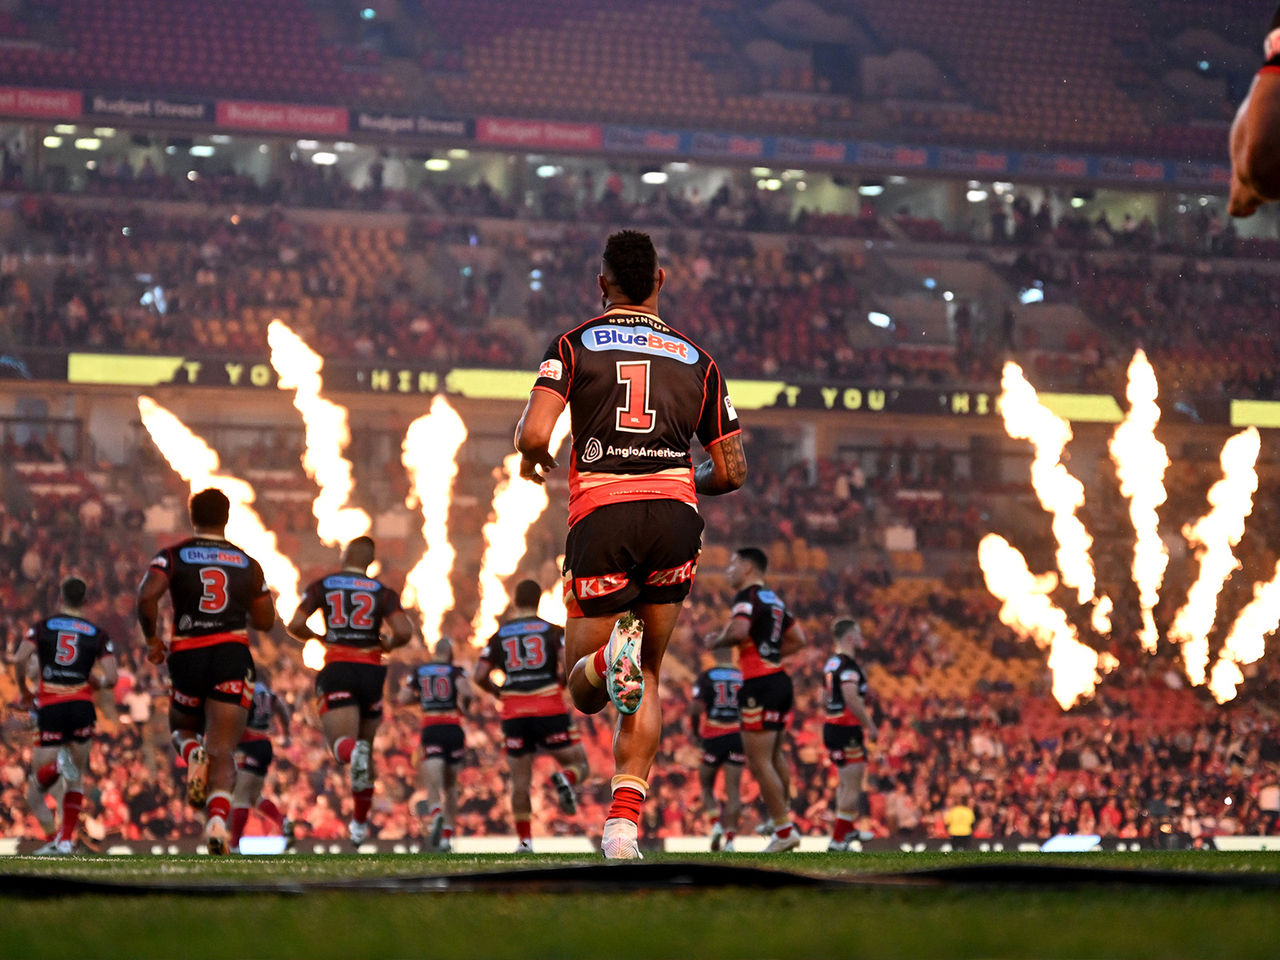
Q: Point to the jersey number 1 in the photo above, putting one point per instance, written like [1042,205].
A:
[635,416]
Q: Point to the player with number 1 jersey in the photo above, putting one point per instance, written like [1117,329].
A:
[638,392]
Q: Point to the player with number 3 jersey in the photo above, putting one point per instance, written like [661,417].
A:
[355,607]
[218,591]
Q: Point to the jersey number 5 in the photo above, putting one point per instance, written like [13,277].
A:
[635,415]
[67,649]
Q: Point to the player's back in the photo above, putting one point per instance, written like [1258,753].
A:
[354,607]
[436,685]
[718,689]
[67,647]
[769,620]
[527,650]
[837,671]
[212,584]
[638,391]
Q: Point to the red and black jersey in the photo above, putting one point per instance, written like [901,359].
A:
[761,653]
[212,584]
[354,607]
[262,709]
[67,647]
[638,391]
[527,651]
[838,671]
[436,686]
[718,688]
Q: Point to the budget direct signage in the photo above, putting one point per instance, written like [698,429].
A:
[38,102]
[148,108]
[282,117]
[541,134]
[410,125]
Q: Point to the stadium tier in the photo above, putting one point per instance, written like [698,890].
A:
[871,319]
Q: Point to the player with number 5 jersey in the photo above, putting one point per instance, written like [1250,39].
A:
[218,591]
[356,608]
[638,392]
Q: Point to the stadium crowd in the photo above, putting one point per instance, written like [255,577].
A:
[1145,759]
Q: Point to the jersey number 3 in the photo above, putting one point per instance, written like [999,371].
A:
[635,415]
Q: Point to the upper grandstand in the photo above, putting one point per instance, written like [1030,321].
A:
[1153,79]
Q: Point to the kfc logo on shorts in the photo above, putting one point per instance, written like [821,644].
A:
[593,451]
[587,587]
[235,687]
[551,369]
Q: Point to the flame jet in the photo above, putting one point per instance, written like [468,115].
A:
[430,455]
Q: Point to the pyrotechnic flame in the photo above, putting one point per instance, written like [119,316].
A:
[1028,611]
[1141,461]
[1060,494]
[198,464]
[327,435]
[517,505]
[430,454]
[1246,642]
[551,607]
[1213,538]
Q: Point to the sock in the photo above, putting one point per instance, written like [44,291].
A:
[342,748]
[715,822]
[571,774]
[524,829]
[843,827]
[269,810]
[184,743]
[597,667]
[47,775]
[783,830]
[447,832]
[72,801]
[218,805]
[239,820]
[729,835]
[628,797]
[363,801]
[435,811]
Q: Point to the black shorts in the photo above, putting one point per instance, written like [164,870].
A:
[443,740]
[255,756]
[71,721]
[524,735]
[644,551]
[222,672]
[726,748]
[358,685]
[844,744]
[766,701]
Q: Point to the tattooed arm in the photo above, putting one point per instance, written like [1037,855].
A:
[725,470]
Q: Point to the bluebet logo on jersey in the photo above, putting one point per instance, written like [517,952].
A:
[640,340]
[214,555]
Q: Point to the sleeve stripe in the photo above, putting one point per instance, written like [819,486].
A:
[554,393]
[725,437]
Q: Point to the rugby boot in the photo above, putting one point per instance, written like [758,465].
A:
[624,680]
[780,844]
[198,778]
[361,766]
[564,793]
[67,768]
[620,840]
[524,846]
[358,832]
[717,836]
[217,838]
[437,830]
